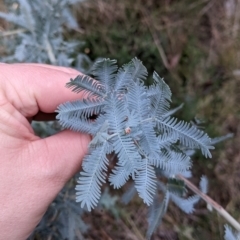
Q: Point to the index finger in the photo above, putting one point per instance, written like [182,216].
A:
[36,87]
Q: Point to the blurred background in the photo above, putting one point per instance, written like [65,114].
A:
[195,46]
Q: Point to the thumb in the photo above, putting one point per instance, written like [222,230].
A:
[61,155]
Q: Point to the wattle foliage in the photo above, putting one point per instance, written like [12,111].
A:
[39,33]
[133,121]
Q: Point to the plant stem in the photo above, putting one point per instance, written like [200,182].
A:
[12,32]
[211,202]
[50,52]
[156,39]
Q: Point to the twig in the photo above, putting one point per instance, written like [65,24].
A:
[236,20]
[196,4]
[132,224]
[156,41]
[13,32]
[106,236]
[78,30]
[50,51]
[212,203]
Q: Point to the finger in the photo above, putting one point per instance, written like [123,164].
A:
[58,68]
[37,87]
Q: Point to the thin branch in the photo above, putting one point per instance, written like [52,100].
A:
[156,40]
[12,32]
[135,229]
[50,52]
[236,20]
[212,203]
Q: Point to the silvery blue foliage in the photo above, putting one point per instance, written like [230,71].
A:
[108,202]
[222,138]
[63,220]
[230,235]
[133,121]
[40,32]
[156,212]
[173,191]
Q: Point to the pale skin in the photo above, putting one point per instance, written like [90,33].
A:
[33,170]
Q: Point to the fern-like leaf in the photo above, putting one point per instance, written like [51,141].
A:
[104,71]
[123,77]
[160,101]
[115,111]
[75,124]
[186,205]
[126,151]
[148,140]
[88,85]
[146,181]
[137,99]
[166,140]
[80,109]
[172,162]
[92,177]
[120,175]
[140,71]
[187,134]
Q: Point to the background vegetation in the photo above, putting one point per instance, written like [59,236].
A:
[195,46]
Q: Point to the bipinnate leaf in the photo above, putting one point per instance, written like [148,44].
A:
[92,177]
[119,176]
[87,85]
[146,182]
[185,204]
[104,71]
[123,77]
[160,101]
[139,71]
[187,134]
[80,109]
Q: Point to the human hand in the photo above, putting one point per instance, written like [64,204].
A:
[33,170]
